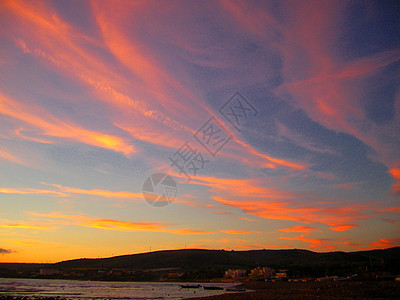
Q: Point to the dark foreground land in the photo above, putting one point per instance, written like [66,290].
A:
[295,290]
[29,298]
[316,290]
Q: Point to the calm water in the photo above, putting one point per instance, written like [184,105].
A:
[74,289]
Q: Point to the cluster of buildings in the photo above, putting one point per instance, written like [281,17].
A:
[235,274]
[269,274]
[259,273]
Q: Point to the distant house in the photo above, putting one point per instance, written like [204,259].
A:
[281,274]
[49,272]
[175,275]
[261,272]
[235,274]
[116,272]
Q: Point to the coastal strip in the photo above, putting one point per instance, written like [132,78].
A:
[314,290]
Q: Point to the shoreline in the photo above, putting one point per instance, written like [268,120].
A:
[313,290]
[214,280]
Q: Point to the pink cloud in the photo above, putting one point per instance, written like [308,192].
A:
[338,219]
[321,244]
[232,231]
[326,86]
[299,229]
[112,224]
[396,175]
[385,243]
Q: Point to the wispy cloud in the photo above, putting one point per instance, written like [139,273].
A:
[316,78]
[10,157]
[97,192]
[322,244]
[63,191]
[27,191]
[299,229]
[161,85]
[111,224]
[6,251]
[4,223]
[338,219]
[396,175]
[54,127]
[233,231]
[385,243]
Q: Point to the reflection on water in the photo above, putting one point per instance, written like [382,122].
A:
[74,289]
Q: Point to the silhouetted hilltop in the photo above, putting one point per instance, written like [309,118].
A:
[220,259]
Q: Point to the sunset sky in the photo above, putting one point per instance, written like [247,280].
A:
[97,96]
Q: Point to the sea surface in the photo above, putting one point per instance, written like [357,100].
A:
[75,289]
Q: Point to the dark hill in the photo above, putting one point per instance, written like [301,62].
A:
[301,260]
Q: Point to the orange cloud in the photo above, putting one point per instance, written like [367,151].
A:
[26,191]
[9,157]
[159,80]
[342,227]
[254,20]
[250,188]
[34,243]
[71,57]
[154,136]
[26,226]
[313,242]
[396,175]
[270,162]
[386,243]
[96,192]
[142,61]
[232,231]
[271,203]
[4,223]
[110,224]
[66,191]
[327,87]
[160,85]
[249,220]
[224,241]
[51,126]
[338,219]
[20,133]
[351,244]
[299,229]
[68,51]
